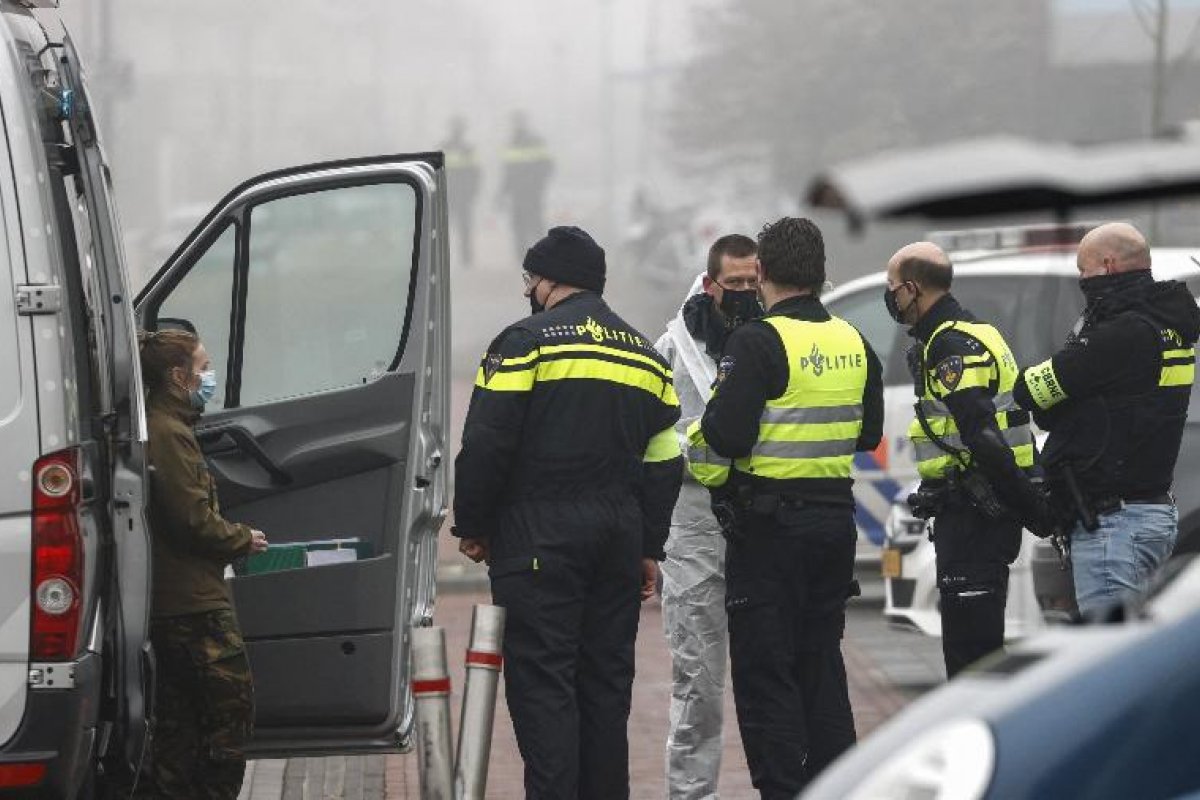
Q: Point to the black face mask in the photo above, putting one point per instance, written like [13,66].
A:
[893,305]
[739,306]
[535,306]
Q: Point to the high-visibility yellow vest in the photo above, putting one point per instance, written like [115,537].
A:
[995,371]
[812,429]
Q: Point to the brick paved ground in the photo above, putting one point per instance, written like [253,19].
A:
[396,776]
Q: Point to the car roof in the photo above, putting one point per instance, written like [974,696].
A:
[1169,263]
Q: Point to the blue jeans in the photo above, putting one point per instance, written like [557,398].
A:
[1116,561]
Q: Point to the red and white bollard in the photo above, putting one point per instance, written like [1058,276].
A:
[484,661]
[431,694]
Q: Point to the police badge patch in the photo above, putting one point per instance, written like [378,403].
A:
[491,365]
[950,371]
[724,367]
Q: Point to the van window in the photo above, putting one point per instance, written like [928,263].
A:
[310,328]
[204,297]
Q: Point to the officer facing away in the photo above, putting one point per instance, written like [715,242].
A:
[463,178]
[798,392]
[568,472]
[974,450]
[527,171]
[693,593]
[1115,400]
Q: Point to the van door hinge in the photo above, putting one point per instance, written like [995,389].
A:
[52,676]
[42,298]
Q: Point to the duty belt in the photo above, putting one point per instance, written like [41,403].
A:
[1110,504]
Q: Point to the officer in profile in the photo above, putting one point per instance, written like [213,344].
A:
[568,472]
[974,451]
[798,393]
[1115,401]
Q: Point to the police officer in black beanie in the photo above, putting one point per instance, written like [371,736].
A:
[566,479]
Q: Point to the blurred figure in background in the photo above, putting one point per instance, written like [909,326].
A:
[463,178]
[693,593]
[527,170]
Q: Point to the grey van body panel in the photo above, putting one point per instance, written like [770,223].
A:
[32,354]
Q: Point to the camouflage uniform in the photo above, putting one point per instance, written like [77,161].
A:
[204,707]
[204,697]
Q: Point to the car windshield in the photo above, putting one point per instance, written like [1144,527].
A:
[1034,313]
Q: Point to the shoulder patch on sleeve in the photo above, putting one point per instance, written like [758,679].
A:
[491,363]
[950,371]
[724,368]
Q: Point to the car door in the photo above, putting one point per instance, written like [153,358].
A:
[321,294]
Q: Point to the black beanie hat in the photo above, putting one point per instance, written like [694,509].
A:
[568,254]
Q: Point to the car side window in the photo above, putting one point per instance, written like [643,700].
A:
[864,310]
[327,289]
[204,298]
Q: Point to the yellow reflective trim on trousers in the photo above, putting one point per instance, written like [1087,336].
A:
[517,381]
[594,369]
[787,468]
[808,432]
[707,467]
[1186,352]
[629,355]
[1179,375]
[663,446]
[1044,386]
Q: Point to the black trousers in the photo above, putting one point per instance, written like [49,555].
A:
[568,573]
[788,577]
[973,554]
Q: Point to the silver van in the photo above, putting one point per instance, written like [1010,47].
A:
[321,292]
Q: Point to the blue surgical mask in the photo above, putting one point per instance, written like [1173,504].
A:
[207,390]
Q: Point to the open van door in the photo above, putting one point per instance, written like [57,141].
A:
[321,294]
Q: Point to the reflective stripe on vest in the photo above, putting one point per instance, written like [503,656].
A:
[812,429]
[996,372]
[708,468]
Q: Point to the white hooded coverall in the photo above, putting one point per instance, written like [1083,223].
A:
[693,592]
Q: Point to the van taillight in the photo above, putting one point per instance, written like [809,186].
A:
[57,558]
[26,774]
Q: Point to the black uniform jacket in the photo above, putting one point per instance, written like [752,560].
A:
[1109,418]
[973,408]
[568,404]
[753,370]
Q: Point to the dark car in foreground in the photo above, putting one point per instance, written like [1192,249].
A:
[1093,711]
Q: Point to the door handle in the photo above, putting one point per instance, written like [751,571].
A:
[248,445]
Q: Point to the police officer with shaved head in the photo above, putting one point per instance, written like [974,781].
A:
[569,469]
[1115,401]
[974,451]
[798,393]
